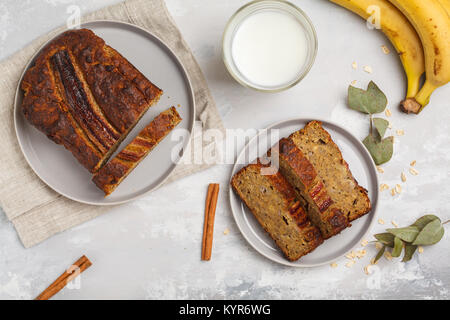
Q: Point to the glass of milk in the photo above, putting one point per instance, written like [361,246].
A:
[269,45]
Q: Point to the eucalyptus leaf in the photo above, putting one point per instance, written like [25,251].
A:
[379,254]
[423,221]
[398,246]
[407,234]
[381,151]
[430,234]
[381,126]
[409,251]
[369,101]
[426,230]
[385,238]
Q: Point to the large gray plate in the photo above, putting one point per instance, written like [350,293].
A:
[59,169]
[362,167]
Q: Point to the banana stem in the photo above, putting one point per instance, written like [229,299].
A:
[413,85]
[419,101]
[410,105]
[423,97]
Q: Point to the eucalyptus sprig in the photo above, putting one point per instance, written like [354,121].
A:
[427,230]
[372,101]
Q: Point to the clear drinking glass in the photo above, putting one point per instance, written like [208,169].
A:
[260,6]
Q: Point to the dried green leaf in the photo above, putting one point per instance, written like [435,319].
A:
[385,238]
[379,254]
[368,101]
[407,234]
[398,246]
[381,126]
[426,230]
[409,251]
[430,234]
[423,221]
[381,151]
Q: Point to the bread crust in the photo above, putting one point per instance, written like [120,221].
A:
[84,95]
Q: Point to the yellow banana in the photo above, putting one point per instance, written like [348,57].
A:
[446,5]
[432,23]
[400,32]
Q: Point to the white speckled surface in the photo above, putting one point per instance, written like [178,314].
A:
[151,248]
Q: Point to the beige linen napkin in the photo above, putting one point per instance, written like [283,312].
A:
[38,212]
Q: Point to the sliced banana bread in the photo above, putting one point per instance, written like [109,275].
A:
[111,175]
[301,174]
[273,202]
[318,147]
[84,95]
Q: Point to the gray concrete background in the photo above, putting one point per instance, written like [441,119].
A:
[150,248]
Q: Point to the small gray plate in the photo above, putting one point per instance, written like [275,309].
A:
[62,172]
[362,168]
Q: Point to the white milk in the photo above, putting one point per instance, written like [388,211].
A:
[270,48]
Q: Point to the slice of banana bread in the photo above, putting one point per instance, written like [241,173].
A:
[118,168]
[273,202]
[318,147]
[320,207]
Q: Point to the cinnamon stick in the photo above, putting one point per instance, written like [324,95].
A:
[208,226]
[71,273]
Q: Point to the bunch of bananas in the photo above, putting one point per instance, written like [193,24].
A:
[420,32]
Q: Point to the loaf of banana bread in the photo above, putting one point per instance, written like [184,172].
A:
[318,147]
[273,202]
[310,189]
[112,174]
[83,94]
